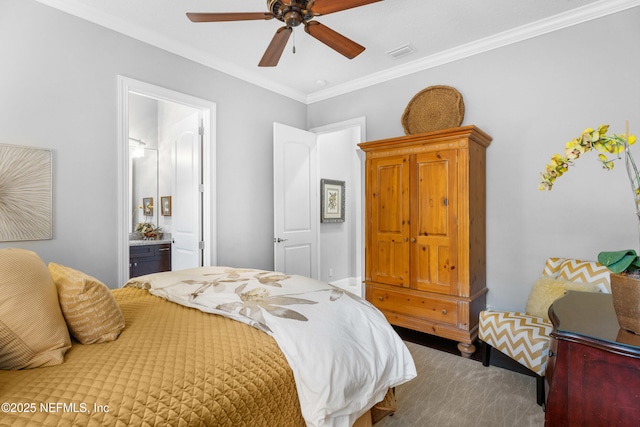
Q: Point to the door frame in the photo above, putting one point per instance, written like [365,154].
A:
[359,123]
[208,109]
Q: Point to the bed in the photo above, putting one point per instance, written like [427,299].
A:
[214,346]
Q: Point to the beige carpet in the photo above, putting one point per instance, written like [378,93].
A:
[452,391]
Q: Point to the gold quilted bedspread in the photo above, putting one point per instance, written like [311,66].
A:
[171,365]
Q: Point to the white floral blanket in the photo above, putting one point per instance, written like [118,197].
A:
[343,352]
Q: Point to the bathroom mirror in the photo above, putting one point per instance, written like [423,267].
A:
[144,185]
[143,160]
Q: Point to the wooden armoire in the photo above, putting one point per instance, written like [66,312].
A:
[425,231]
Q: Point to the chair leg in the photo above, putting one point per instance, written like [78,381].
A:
[486,354]
[540,390]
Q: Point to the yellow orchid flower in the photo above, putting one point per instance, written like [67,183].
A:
[600,141]
[606,163]
[559,163]
[614,147]
[545,186]
[571,153]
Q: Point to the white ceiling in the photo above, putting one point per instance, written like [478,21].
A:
[439,31]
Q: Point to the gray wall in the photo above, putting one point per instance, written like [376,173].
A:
[58,90]
[533,97]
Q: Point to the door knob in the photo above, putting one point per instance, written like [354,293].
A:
[279,240]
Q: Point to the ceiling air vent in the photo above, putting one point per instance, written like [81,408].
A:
[401,51]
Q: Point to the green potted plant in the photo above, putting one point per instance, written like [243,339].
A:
[619,262]
[625,264]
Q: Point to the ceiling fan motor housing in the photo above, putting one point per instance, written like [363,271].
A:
[293,13]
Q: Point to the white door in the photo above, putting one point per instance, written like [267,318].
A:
[295,166]
[187,195]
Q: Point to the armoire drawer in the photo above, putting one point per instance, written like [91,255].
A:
[414,304]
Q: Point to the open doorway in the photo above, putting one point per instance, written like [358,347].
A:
[332,252]
[176,130]
[341,244]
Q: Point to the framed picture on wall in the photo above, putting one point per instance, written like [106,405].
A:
[147,206]
[332,200]
[26,201]
[165,205]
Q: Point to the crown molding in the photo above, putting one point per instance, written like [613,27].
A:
[525,32]
[78,9]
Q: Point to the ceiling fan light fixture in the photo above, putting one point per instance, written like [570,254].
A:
[293,18]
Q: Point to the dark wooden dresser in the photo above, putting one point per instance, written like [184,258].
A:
[593,373]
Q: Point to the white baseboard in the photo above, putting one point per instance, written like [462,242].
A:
[351,284]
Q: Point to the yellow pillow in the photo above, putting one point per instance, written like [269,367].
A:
[91,311]
[33,332]
[548,289]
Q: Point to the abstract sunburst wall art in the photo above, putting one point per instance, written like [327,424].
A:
[25,193]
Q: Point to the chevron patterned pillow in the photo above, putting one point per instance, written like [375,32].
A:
[552,267]
[574,270]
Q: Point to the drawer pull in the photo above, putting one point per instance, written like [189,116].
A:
[380,298]
[551,353]
[444,311]
[164,249]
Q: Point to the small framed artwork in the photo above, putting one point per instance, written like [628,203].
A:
[165,205]
[332,200]
[147,206]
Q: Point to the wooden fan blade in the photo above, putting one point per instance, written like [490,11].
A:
[221,17]
[276,47]
[323,7]
[335,41]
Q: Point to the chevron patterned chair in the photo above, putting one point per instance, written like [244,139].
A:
[524,337]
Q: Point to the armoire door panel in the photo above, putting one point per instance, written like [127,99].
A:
[432,268]
[434,222]
[389,199]
[391,267]
[433,197]
[390,220]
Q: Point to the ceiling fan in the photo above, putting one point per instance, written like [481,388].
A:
[294,13]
